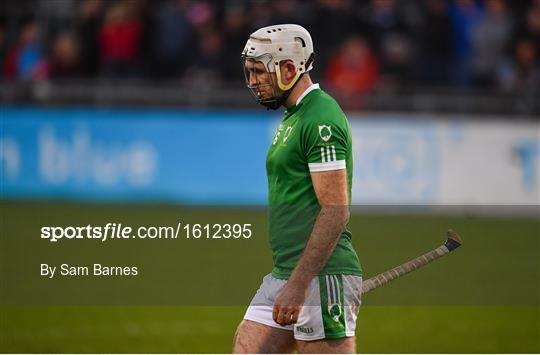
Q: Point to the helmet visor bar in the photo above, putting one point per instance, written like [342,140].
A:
[259,79]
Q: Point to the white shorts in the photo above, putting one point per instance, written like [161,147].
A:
[329,312]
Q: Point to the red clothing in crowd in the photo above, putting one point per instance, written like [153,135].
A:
[120,41]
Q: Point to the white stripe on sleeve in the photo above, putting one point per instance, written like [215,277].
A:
[333,165]
[328,154]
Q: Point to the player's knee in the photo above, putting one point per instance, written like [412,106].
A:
[241,342]
[237,345]
[252,337]
[335,346]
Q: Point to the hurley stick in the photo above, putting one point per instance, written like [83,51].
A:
[452,242]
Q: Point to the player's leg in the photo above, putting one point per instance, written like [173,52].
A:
[255,338]
[258,333]
[327,322]
[327,346]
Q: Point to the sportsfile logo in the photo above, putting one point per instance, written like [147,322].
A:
[119,231]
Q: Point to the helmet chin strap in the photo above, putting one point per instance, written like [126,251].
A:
[273,103]
[276,102]
[288,86]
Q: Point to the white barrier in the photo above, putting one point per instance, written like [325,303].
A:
[445,162]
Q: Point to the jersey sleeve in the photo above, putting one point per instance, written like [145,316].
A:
[326,144]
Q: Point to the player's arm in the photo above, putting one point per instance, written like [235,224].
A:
[331,189]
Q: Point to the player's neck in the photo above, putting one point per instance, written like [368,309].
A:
[304,83]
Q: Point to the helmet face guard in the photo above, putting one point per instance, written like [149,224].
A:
[265,90]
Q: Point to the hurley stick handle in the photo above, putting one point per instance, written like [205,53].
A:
[453,241]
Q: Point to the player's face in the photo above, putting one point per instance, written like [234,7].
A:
[259,79]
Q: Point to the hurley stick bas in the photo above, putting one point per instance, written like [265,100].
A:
[453,241]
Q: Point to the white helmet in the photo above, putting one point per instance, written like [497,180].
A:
[273,44]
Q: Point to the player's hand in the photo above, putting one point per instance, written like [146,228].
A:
[288,304]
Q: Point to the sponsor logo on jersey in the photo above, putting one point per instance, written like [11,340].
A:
[325,132]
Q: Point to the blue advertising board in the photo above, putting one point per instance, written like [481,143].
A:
[98,154]
[218,157]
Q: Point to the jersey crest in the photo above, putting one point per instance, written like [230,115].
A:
[325,132]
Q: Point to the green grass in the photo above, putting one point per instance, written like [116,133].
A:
[483,298]
[399,329]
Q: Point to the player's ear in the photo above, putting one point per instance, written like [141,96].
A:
[288,71]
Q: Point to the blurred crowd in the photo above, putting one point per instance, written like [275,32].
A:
[359,45]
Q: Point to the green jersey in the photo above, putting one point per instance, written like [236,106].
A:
[313,136]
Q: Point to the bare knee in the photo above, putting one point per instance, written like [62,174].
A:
[241,339]
[325,346]
[252,337]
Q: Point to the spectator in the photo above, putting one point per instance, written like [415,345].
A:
[173,39]
[333,20]
[465,15]
[55,16]
[489,40]
[531,28]
[202,16]
[65,59]
[289,11]
[25,60]
[391,40]
[397,61]
[208,68]
[384,19]
[435,44]
[236,31]
[521,73]
[259,15]
[120,40]
[3,43]
[87,28]
[354,69]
